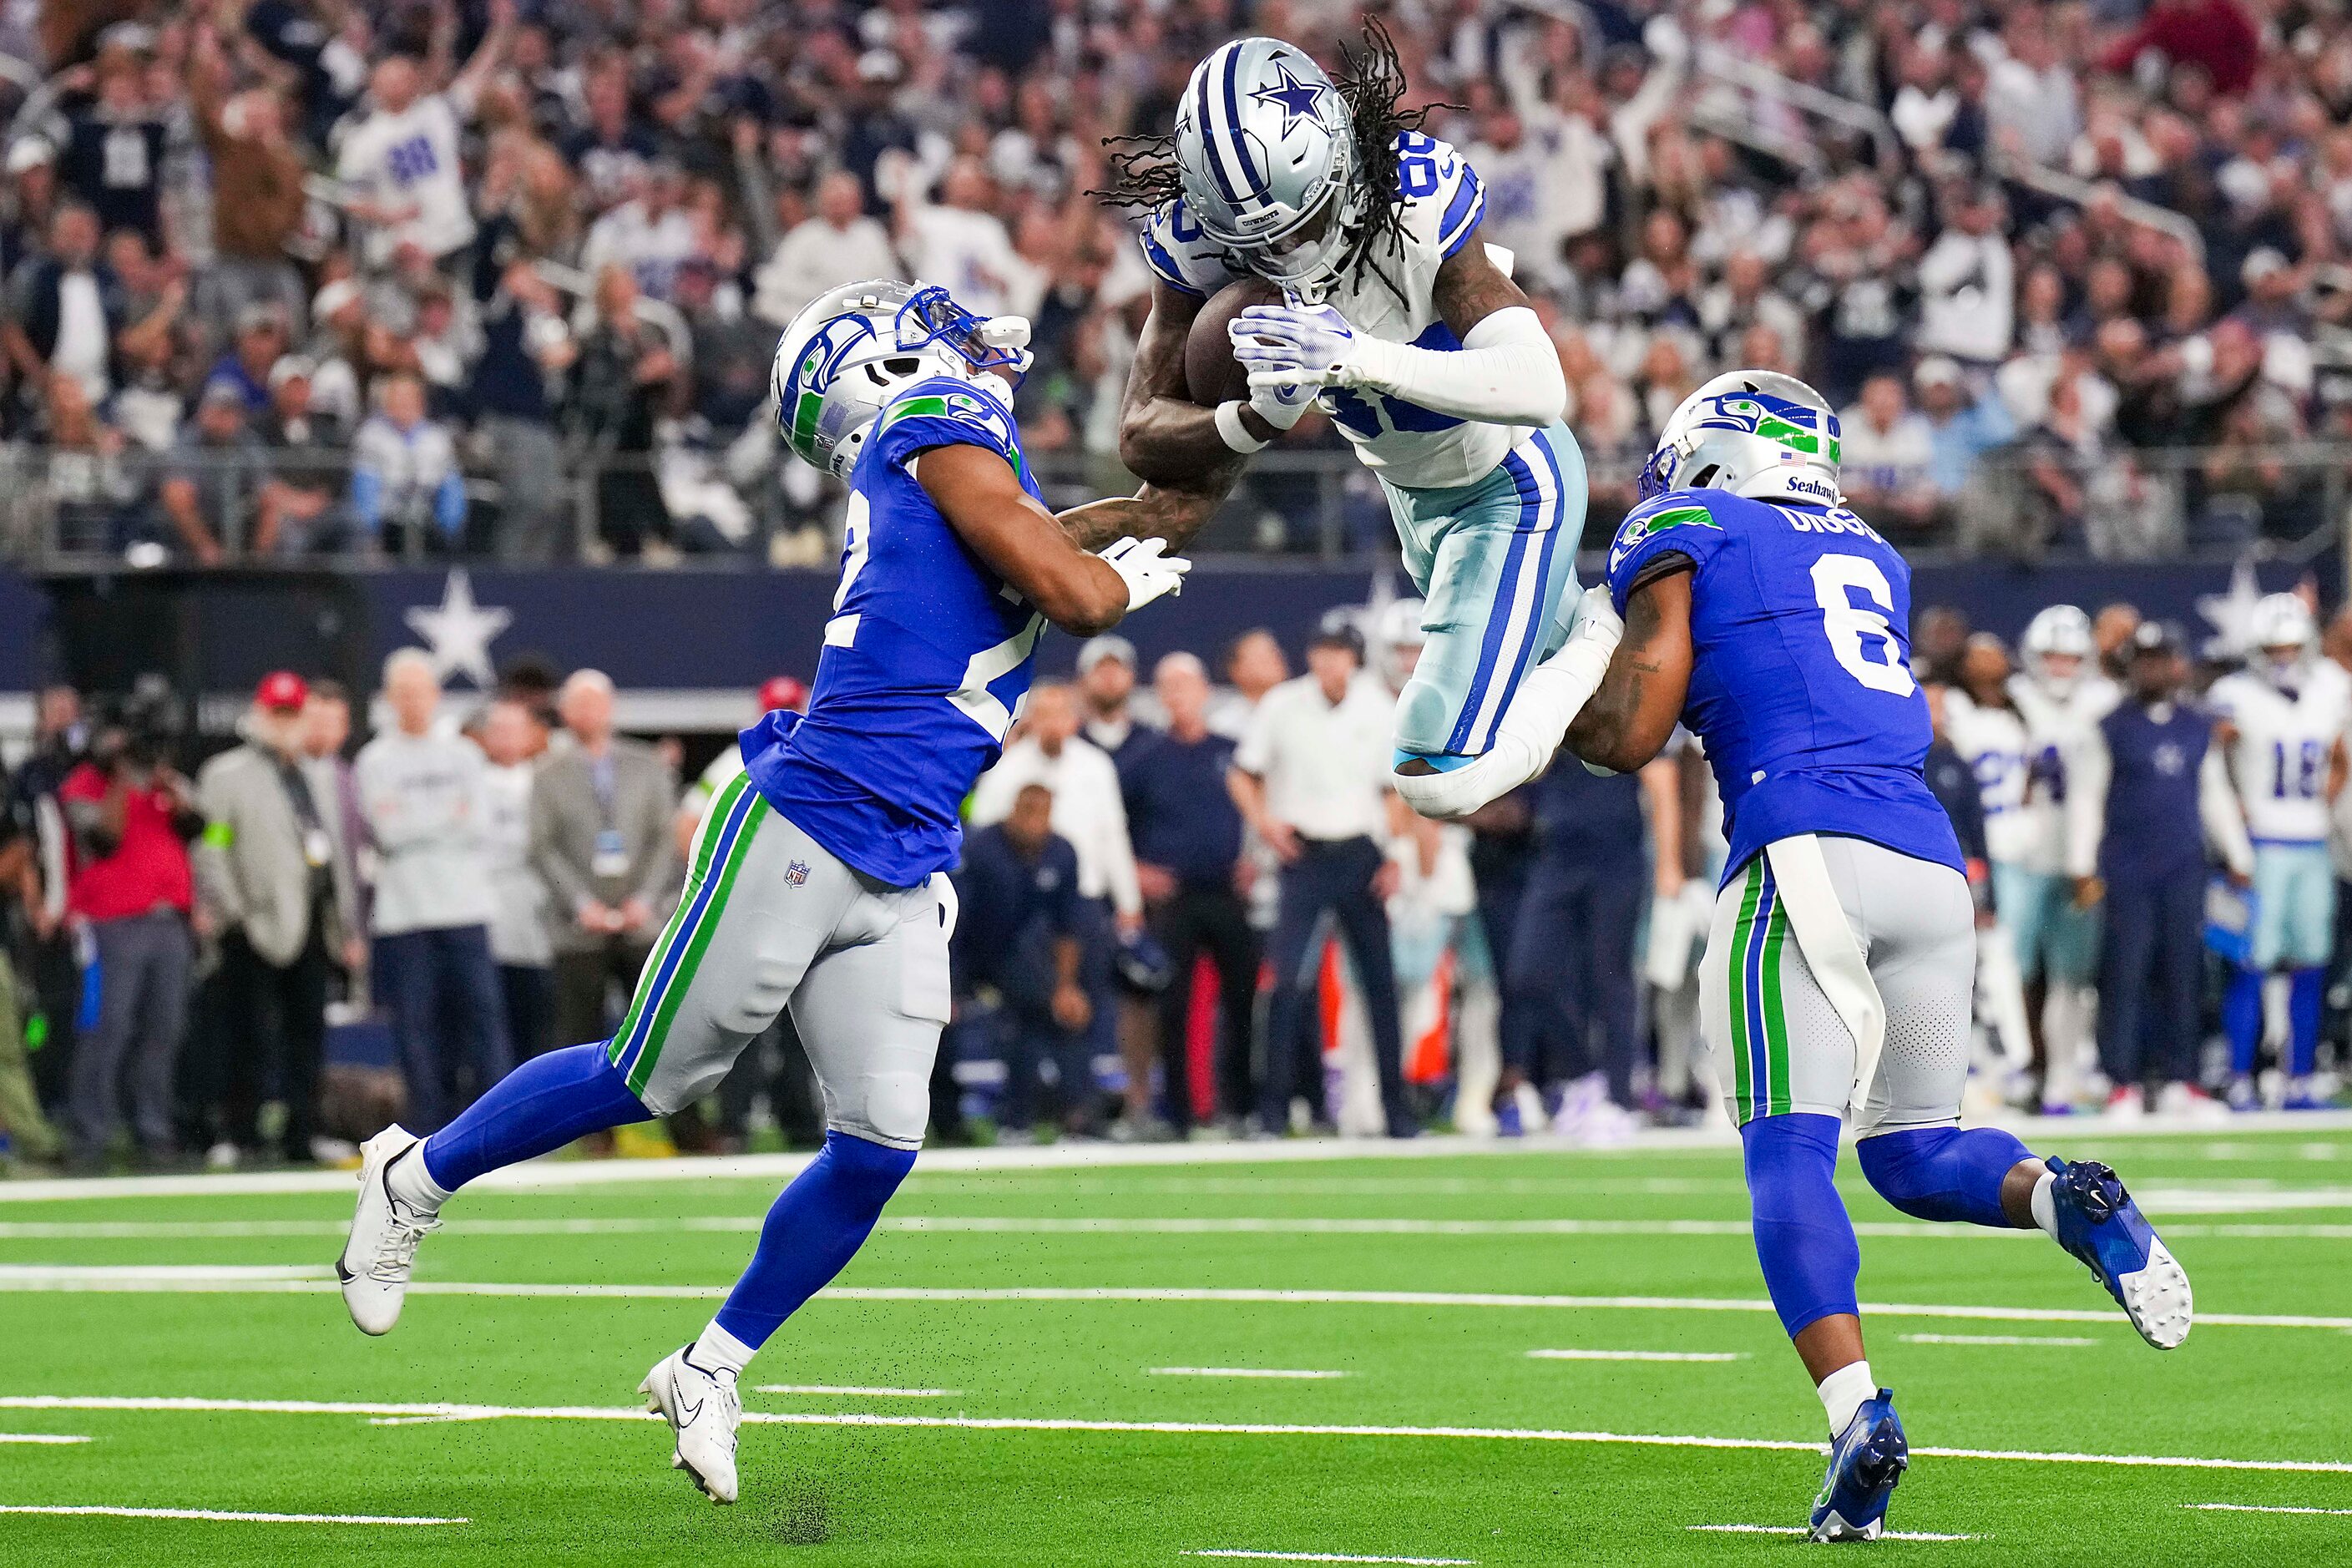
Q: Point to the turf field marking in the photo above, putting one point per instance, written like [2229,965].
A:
[1998,1340]
[1338,1557]
[301,1280]
[856,1391]
[2261,1508]
[1800,1530]
[39,1437]
[1638,1355]
[1299,1373]
[185,1403]
[225,1514]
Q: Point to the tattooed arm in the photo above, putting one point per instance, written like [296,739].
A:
[1641,698]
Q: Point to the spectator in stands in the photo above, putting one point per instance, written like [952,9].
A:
[1968,281]
[1026,957]
[89,484]
[67,311]
[835,245]
[1889,455]
[262,337]
[112,135]
[272,885]
[1961,427]
[959,237]
[258,195]
[526,346]
[522,943]
[1311,778]
[622,380]
[1188,851]
[422,789]
[405,485]
[131,816]
[219,494]
[600,841]
[403,157]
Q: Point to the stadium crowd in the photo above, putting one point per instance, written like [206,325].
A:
[1189,908]
[293,277]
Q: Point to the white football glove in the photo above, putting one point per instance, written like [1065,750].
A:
[1596,618]
[1294,347]
[1147,568]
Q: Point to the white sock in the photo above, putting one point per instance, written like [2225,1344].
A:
[408,1180]
[1842,1393]
[2045,1205]
[719,1351]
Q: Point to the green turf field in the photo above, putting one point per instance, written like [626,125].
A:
[986,1384]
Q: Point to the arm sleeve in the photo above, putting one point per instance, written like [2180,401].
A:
[2217,804]
[2086,805]
[1506,371]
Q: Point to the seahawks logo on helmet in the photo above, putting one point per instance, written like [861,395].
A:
[1639,527]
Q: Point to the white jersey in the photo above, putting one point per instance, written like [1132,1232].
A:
[2280,761]
[1403,443]
[2057,729]
[410,159]
[1999,749]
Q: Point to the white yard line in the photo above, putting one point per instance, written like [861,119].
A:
[2263,1508]
[226,1514]
[302,1279]
[555,1172]
[39,1437]
[184,1404]
[1998,1340]
[1637,1355]
[856,1391]
[1300,1373]
[1336,1557]
[1800,1530]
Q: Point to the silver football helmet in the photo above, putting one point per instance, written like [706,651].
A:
[1755,433]
[2280,637]
[851,349]
[2058,632]
[1266,148]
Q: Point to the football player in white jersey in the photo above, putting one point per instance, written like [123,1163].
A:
[2285,717]
[2061,695]
[1413,338]
[1986,729]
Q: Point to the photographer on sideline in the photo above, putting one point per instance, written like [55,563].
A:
[131,817]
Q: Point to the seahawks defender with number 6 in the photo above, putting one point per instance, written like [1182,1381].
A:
[1769,618]
[1414,339]
[817,881]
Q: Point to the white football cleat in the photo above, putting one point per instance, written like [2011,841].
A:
[703,1409]
[382,1249]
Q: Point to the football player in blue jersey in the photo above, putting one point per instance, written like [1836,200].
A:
[1408,329]
[817,880]
[1761,613]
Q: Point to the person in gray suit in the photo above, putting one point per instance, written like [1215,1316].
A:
[600,841]
[273,883]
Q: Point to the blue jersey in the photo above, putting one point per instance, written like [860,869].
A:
[926,660]
[1801,686]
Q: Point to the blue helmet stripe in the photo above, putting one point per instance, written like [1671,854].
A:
[1232,74]
[1204,119]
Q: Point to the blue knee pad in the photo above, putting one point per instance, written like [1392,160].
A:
[535,1110]
[1803,1239]
[813,1230]
[1944,1173]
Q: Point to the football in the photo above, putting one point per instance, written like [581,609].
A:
[1211,374]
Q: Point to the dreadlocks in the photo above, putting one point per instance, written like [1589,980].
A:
[1144,173]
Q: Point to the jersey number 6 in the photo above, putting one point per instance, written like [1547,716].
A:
[1851,627]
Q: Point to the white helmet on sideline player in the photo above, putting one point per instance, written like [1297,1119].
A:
[2280,635]
[2058,649]
[1398,639]
[1266,148]
[1755,433]
[850,350]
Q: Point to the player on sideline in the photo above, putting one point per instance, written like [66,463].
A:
[815,881]
[1424,352]
[1769,619]
[2284,719]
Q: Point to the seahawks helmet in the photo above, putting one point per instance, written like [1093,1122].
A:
[850,350]
[1266,146]
[1755,433]
[2059,631]
[2280,635]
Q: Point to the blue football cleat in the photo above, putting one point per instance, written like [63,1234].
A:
[1865,1462]
[2100,1224]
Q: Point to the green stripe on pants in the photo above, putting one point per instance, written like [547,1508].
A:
[1776,1021]
[697,943]
[706,843]
[1736,969]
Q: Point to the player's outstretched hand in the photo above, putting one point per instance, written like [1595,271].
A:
[1286,347]
[1147,568]
[1596,618]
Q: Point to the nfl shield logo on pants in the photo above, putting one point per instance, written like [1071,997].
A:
[797,873]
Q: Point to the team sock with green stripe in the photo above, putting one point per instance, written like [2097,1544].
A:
[1803,1239]
[535,1110]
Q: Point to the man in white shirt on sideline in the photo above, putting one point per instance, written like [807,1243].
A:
[401,159]
[421,790]
[1310,777]
[522,943]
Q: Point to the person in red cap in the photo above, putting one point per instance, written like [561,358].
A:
[272,879]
